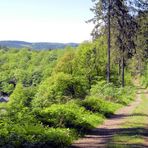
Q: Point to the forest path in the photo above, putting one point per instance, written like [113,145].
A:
[102,136]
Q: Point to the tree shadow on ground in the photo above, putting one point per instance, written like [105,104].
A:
[146,92]
[120,116]
[107,134]
[122,131]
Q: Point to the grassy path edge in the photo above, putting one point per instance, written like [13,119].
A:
[100,136]
[138,121]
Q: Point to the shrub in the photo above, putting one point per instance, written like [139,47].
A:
[69,115]
[58,88]
[21,97]
[104,89]
[3,107]
[95,104]
[113,93]
[145,77]
[30,135]
[126,94]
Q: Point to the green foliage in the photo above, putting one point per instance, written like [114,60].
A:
[50,91]
[6,87]
[98,105]
[89,61]
[145,77]
[145,81]
[33,135]
[113,93]
[141,41]
[104,89]
[21,97]
[26,67]
[3,108]
[66,63]
[69,115]
[58,88]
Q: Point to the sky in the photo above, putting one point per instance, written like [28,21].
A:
[45,20]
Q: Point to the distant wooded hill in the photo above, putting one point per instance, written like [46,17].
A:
[37,45]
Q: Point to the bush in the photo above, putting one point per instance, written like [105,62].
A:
[145,81]
[113,93]
[145,77]
[126,94]
[58,89]
[3,107]
[69,115]
[95,104]
[32,136]
[104,89]
[21,97]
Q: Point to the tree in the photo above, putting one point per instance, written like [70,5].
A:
[102,11]
[65,64]
[141,41]
[109,41]
[127,26]
[86,63]
[117,17]
[58,88]
[18,98]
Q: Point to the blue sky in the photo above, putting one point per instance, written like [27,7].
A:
[45,20]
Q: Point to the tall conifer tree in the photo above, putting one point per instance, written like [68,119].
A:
[102,11]
[118,14]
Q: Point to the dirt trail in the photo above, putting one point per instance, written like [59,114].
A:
[100,136]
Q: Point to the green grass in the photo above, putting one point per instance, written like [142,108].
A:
[134,128]
[125,141]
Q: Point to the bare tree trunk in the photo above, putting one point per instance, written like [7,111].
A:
[109,44]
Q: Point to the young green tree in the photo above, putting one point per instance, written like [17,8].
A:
[87,63]
[18,98]
[66,63]
[58,88]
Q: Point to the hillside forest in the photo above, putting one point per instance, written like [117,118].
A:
[56,96]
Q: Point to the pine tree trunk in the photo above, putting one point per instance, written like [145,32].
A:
[119,68]
[123,69]
[109,38]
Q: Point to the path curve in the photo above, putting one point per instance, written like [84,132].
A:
[99,137]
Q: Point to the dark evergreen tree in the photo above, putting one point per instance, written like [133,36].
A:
[125,26]
[118,17]
[141,56]
[102,11]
